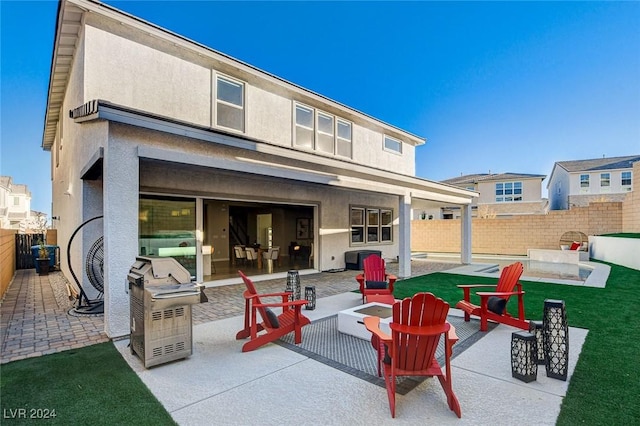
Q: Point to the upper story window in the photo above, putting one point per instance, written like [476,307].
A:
[229,103]
[391,144]
[326,133]
[584,183]
[625,179]
[343,146]
[16,201]
[321,131]
[605,180]
[507,192]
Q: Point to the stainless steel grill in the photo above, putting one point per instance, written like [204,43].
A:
[161,294]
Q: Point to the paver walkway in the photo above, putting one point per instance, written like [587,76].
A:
[35,318]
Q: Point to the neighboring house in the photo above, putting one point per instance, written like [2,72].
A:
[171,141]
[15,205]
[580,182]
[501,194]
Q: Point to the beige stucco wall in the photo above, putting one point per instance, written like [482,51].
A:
[131,74]
[514,235]
[631,204]
[127,69]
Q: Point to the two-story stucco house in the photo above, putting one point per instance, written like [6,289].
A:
[501,194]
[180,147]
[15,204]
[580,182]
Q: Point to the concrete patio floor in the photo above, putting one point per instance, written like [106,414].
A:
[221,385]
[273,385]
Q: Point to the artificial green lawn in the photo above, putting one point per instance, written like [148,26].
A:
[605,386]
[92,385]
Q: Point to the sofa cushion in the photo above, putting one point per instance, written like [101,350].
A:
[376,284]
[496,304]
[272,318]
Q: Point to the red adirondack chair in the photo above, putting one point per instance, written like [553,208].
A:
[375,280]
[417,325]
[274,326]
[493,305]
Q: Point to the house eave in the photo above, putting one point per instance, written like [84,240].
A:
[343,173]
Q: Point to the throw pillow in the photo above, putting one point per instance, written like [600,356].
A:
[272,318]
[575,246]
[376,284]
[496,304]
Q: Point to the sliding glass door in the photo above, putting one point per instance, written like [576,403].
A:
[167,227]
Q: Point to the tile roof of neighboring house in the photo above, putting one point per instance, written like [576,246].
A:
[490,177]
[599,163]
[19,188]
[5,181]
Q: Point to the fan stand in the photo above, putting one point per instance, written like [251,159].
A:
[86,306]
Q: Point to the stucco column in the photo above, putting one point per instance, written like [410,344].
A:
[465,234]
[121,187]
[92,204]
[199,240]
[404,237]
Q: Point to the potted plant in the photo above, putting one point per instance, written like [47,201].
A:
[43,258]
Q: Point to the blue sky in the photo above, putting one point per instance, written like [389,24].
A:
[500,86]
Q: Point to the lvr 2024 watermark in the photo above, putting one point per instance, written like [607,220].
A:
[28,413]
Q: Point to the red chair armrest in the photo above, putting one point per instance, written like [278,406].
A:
[300,302]
[373,325]
[360,279]
[476,285]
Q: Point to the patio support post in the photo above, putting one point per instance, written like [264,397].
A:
[465,234]
[121,189]
[404,237]
[199,240]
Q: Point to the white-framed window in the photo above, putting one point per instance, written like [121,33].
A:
[508,192]
[357,225]
[584,183]
[321,131]
[16,201]
[230,111]
[393,145]
[625,179]
[305,130]
[605,181]
[343,140]
[386,225]
[371,225]
[326,133]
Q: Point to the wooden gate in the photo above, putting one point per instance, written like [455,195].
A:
[24,257]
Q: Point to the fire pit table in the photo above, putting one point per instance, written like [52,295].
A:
[350,321]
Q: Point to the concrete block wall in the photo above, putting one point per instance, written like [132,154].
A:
[631,204]
[514,235]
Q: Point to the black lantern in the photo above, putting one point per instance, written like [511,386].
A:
[293,284]
[523,356]
[535,328]
[555,336]
[310,295]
